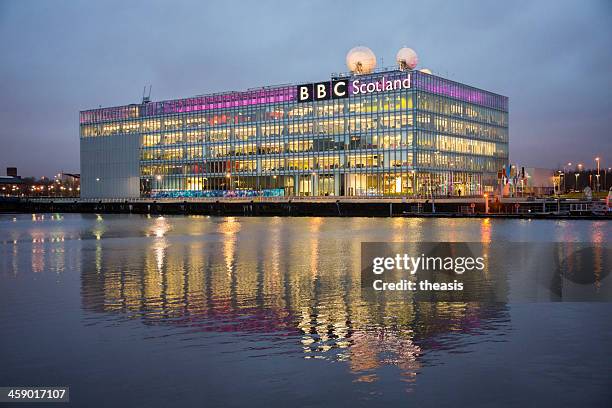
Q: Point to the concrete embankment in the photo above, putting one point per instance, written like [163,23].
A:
[328,207]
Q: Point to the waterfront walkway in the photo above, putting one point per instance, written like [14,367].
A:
[321,206]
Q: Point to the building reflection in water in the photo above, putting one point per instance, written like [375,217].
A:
[274,278]
[294,284]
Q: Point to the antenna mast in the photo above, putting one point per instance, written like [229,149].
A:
[146,98]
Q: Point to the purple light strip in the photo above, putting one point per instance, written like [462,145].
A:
[440,86]
[202,103]
[428,83]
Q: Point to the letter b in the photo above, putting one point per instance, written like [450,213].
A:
[322,91]
[304,93]
[321,94]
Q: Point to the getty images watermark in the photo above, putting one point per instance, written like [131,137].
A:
[492,271]
[411,265]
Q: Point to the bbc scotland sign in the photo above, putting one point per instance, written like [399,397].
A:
[344,87]
[320,91]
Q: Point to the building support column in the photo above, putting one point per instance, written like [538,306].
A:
[336,184]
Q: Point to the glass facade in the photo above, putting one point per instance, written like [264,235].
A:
[435,137]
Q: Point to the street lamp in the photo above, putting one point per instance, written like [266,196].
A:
[228,176]
[576,174]
[597,160]
[564,183]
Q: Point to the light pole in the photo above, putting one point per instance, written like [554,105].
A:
[579,170]
[564,184]
[597,160]
[433,200]
[576,187]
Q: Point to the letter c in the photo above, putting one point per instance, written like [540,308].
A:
[338,92]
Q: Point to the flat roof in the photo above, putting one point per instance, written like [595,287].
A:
[287,92]
[11,180]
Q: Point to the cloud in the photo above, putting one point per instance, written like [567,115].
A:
[551,58]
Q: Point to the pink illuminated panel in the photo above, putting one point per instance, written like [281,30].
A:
[420,81]
[199,103]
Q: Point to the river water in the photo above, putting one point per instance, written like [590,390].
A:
[140,311]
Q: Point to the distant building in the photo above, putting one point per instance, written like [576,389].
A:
[11,171]
[10,185]
[539,181]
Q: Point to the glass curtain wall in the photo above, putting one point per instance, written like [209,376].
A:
[437,138]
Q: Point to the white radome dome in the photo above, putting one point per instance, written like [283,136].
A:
[361,60]
[406,58]
[426,71]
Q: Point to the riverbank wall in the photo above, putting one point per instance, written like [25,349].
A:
[327,207]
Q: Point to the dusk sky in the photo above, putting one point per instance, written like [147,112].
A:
[553,59]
